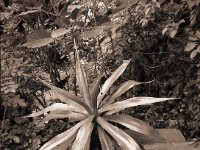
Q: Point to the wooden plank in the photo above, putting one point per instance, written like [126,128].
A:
[172,146]
[172,135]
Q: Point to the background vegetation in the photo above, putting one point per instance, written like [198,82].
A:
[161,37]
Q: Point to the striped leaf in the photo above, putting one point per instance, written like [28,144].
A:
[83,135]
[63,137]
[108,83]
[82,80]
[70,115]
[53,107]
[123,139]
[122,89]
[133,124]
[38,43]
[94,87]
[105,140]
[132,102]
[67,97]
[59,32]
[66,144]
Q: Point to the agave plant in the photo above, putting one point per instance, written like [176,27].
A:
[99,111]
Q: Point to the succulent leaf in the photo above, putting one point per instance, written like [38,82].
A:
[131,102]
[105,140]
[94,88]
[133,124]
[82,80]
[83,135]
[64,136]
[108,83]
[121,90]
[67,97]
[53,107]
[66,144]
[70,115]
[123,139]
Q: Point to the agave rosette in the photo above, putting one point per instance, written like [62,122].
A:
[95,108]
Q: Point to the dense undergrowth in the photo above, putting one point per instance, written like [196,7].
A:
[161,38]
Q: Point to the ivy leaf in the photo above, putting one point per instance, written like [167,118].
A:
[98,30]
[197,34]
[190,46]
[198,49]
[164,31]
[193,54]
[147,11]
[17,101]
[173,33]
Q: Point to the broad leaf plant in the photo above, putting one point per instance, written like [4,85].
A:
[97,110]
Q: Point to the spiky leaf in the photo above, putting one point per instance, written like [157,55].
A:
[190,46]
[83,136]
[122,89]
[108,83]
[59,32]
[82,80]
[63,137]
[123,139]
[94,87]
[105,140]
[133,124]
[67,97]
[56,106]
[132,102]
[70,115]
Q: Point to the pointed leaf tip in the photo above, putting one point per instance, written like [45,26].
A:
[109,82]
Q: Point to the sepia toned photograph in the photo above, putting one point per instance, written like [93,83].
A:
[100,75]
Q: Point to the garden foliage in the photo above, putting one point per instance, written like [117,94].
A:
[37,40]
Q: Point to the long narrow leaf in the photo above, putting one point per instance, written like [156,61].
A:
[108,83]
[135,101]
[123,139]
[57,140]
[67,97]
[66,144]
[105,140]
[71,115]
[87,145]
[94,88]
[133,124]
[122,89]
[38,43]
[82,80]
[83,135]
[53,107]
[59,32]
[29,12]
